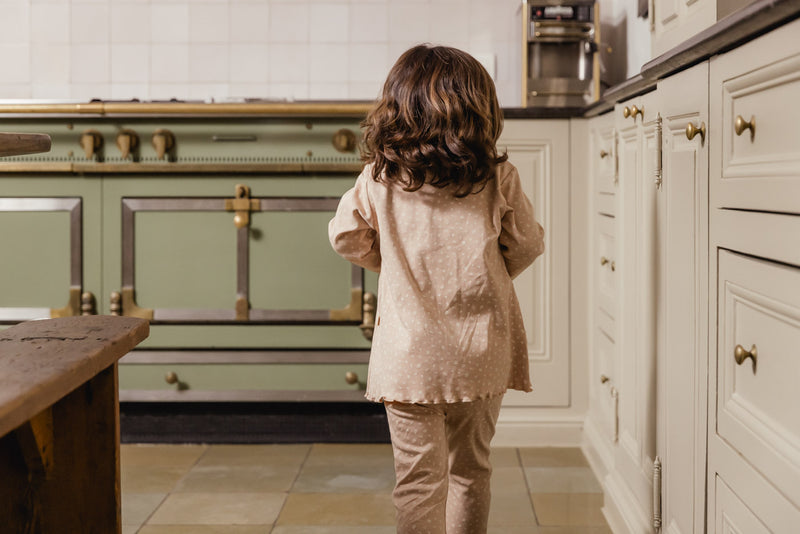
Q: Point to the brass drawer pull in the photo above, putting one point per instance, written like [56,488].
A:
[604,379]
[603,260]
[740,125]
[626,112]
[350,377]
[740,355]
[604,154]
[637,111]
[692,131]
[171,378]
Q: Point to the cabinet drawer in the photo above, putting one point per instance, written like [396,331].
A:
[757,397]
[605,267]
[242,381]
[757,85]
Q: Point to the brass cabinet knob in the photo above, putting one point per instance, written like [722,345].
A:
[740,355]
[344,140]
[163,142]
[604,379]
[613,266]
[127,142]
[350,377]
[603,260]
[92,142]
[171,378]
[604,154]
[692,131]
[637,111]
[740,125]
[626,112]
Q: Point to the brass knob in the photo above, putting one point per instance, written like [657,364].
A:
[626,112]
[613,266]
[740,125]
[604,379]
[604,154]
[692,131]
[350,377]
[740,355]
[344,140]
[127,142]
[603,260]
[115,306]
[636,111]
[163,142]
[171,378]
[92,142]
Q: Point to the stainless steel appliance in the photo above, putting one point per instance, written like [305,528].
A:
[559,53]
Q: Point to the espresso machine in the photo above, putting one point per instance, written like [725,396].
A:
[560,64]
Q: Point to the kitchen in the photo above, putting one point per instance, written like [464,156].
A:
[590,321]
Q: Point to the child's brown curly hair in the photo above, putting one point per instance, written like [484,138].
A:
[437,121]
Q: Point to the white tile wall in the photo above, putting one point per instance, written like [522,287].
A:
[219,49]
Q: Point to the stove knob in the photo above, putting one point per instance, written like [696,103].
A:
[163,142]
[127,142]
[92,142]
[344,140]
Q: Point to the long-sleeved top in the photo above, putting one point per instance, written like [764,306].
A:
[448,326]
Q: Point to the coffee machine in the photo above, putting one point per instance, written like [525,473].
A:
[560,64]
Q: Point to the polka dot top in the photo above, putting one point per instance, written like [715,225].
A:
[448,325]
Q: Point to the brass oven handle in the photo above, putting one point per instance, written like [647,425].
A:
[740,125]
[692,131]
[740,355]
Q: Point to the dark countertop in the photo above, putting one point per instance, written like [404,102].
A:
[737,28]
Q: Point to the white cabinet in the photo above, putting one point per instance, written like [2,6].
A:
[540,151]
[681,301]
[601,421]
[674,21]
[753,424]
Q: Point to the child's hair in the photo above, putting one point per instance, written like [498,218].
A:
[437,121]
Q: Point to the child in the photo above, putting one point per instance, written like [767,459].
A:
[444,220]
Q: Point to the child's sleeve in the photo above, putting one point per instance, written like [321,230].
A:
[521,237]
[353,230]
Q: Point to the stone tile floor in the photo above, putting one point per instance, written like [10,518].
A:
[336,489]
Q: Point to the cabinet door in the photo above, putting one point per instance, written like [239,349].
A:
[631,483]
[539,149]
[681,278]
[674,21]
[50,246]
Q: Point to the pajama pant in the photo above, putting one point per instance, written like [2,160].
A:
[441,458]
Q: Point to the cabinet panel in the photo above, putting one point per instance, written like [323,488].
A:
[733,516]
[605,267]
[52,255]
[539,149]
[759,315]
[682,282]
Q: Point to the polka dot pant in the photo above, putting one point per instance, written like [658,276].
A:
[441,458]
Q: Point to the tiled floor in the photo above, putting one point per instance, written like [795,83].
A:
[335,489]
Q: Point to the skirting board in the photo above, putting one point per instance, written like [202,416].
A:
[535,432]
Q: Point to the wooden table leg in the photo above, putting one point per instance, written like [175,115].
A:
[61,470]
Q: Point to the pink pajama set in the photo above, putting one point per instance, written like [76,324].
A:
[449,338]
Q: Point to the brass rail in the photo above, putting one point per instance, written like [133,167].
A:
[337,109]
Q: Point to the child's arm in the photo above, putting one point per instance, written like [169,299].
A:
[352,231]
[521,237]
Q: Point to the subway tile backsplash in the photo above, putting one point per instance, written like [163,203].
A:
[224,49]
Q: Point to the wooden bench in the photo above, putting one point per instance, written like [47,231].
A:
[59,423]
